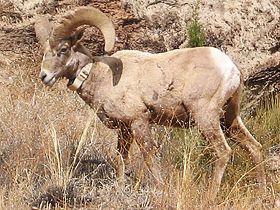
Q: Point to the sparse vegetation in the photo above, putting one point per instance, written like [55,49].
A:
[195,31]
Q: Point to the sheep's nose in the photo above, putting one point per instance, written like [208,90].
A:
[42,75]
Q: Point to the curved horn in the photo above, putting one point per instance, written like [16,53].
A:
[43,29]
[84,16]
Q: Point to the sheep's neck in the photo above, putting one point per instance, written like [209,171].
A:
[76,64]
[91,90]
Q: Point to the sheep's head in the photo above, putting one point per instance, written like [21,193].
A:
[62,49]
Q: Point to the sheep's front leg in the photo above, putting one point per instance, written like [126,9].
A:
[125,139]
[143,136]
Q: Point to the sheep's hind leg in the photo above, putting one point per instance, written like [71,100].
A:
[125,139]
[238,132]
[208,124]
[143,136]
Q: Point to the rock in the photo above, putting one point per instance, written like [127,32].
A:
[264,84]
[245,30]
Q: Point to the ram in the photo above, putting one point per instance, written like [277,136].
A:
[131,90]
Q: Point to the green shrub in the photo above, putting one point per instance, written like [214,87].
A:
[195,31]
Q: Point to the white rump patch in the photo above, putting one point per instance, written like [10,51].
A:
[228,69]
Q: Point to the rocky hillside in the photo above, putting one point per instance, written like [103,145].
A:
[248,31]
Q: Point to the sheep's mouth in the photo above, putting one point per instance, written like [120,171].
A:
[48,78]
[50,82]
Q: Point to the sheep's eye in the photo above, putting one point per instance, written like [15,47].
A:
[63,50]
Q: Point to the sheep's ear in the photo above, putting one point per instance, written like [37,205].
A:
[115,65]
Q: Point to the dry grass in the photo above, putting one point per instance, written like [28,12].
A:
[55,153]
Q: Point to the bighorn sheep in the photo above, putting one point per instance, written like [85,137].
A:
[132,90]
